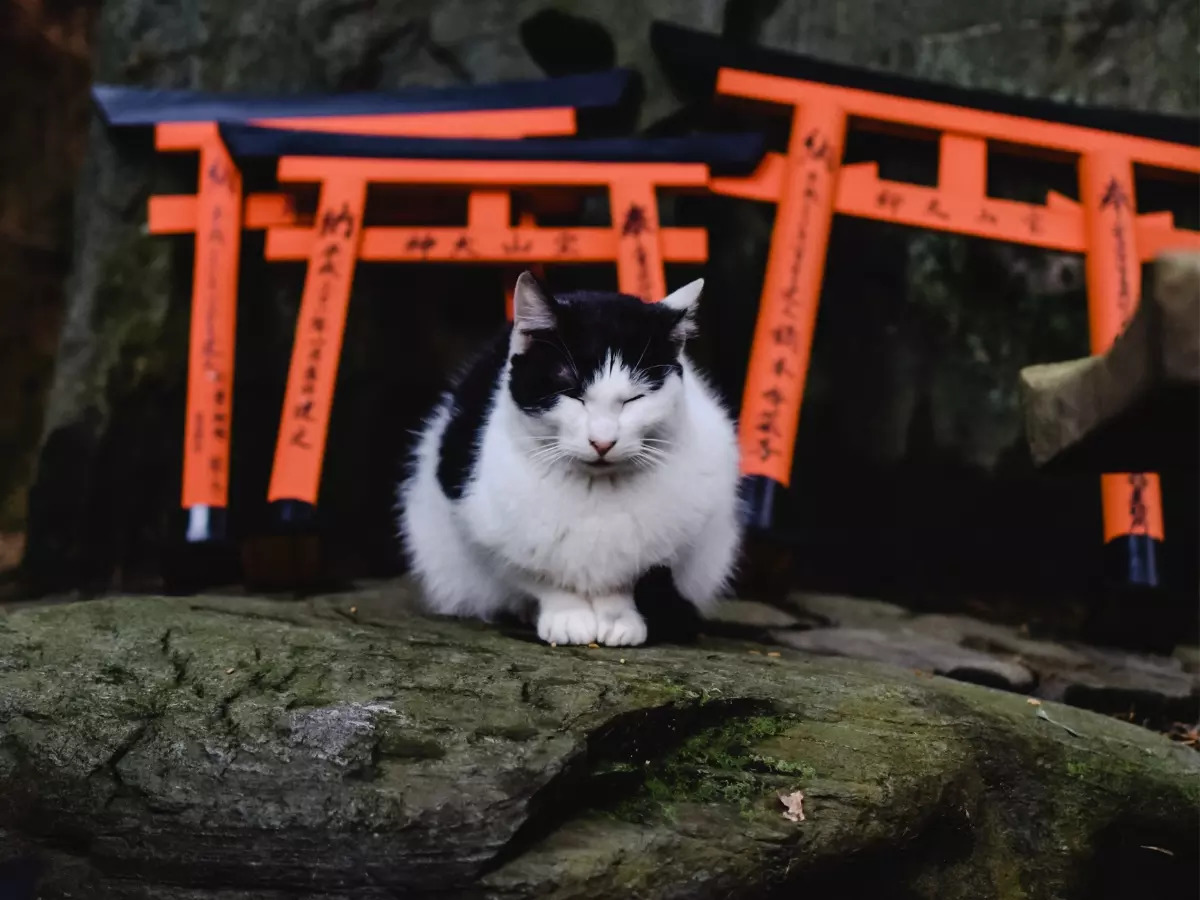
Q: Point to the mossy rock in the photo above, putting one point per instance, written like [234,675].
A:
[238,747]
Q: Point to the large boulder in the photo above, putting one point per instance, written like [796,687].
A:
[228,748]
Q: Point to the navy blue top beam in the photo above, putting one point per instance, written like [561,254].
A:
[693,57]
[147,106]
[726,153]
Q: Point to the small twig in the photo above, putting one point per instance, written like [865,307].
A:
[1157,849]
[1042,714]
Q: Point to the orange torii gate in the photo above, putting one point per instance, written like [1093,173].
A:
[345,166]
[186,121]
[809,184]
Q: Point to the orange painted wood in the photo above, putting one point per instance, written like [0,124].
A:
[634,207]
[465,244]
[1056,225]
[1132,501]
[481,123]
[491,173]
[312,376]
[788,310]
[862,193]
[1106,227]
[942,117]
[209,408]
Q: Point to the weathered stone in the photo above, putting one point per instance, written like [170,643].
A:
[1116,682]
[752,615]
[847,612]
[1189,656]
[910,650]
[43,92]
[1132,409]
[999,640]
[232,748]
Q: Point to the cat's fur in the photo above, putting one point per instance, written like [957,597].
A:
[508,497]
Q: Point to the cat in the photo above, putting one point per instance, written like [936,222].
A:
[580,451]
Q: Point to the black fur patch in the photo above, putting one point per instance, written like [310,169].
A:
[470,399]
[591,325]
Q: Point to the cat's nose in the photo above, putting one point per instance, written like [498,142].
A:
[602,447]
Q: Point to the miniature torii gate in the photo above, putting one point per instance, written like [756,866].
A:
[809,184]
[344,166]
[186,121]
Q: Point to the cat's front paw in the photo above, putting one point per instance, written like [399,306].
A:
[618,623]
[567,625]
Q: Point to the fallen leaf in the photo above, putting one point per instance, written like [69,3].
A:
[353,610]
[755,652]
[594,646]
[775,653]
[1033,701]
[794,803]
[229,671]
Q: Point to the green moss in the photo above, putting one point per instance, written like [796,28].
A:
[720,762]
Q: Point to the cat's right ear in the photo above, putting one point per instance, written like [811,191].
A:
[533,311]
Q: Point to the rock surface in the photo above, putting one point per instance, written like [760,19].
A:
[1158,689]
[228,748]
[1132,409]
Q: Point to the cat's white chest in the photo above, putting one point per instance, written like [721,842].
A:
[592,536]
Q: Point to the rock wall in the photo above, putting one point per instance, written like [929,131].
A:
[43,95]
[909,436]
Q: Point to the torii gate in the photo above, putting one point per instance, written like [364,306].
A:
[186,121]
[344,167]
[809,184]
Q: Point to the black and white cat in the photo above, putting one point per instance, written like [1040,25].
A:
[579,452]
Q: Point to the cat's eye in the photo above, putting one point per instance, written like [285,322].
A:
[631,399]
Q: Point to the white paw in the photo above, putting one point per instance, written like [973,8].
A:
[574,625]
[620,626]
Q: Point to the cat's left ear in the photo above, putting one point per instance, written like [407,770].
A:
[684,302]
[533,311]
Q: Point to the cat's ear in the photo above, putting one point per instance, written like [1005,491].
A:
[533,311]
[684,302]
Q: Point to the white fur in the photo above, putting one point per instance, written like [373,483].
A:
[539,519]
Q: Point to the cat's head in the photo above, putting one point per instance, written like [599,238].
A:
[596,377]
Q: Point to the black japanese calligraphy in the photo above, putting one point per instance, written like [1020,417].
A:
[515,245]
[332,222]
[1034,220]
[985,218]
[462,247]
[303,411]
[564,243]
[1139,514]
[219,173]
[329,254]
[422,244]
[781,370]
[819,149]
[774,396]
[300,439]
[636,222]
[785,336]
[935,209]
[766,451]
[1114,196]
[890,200]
